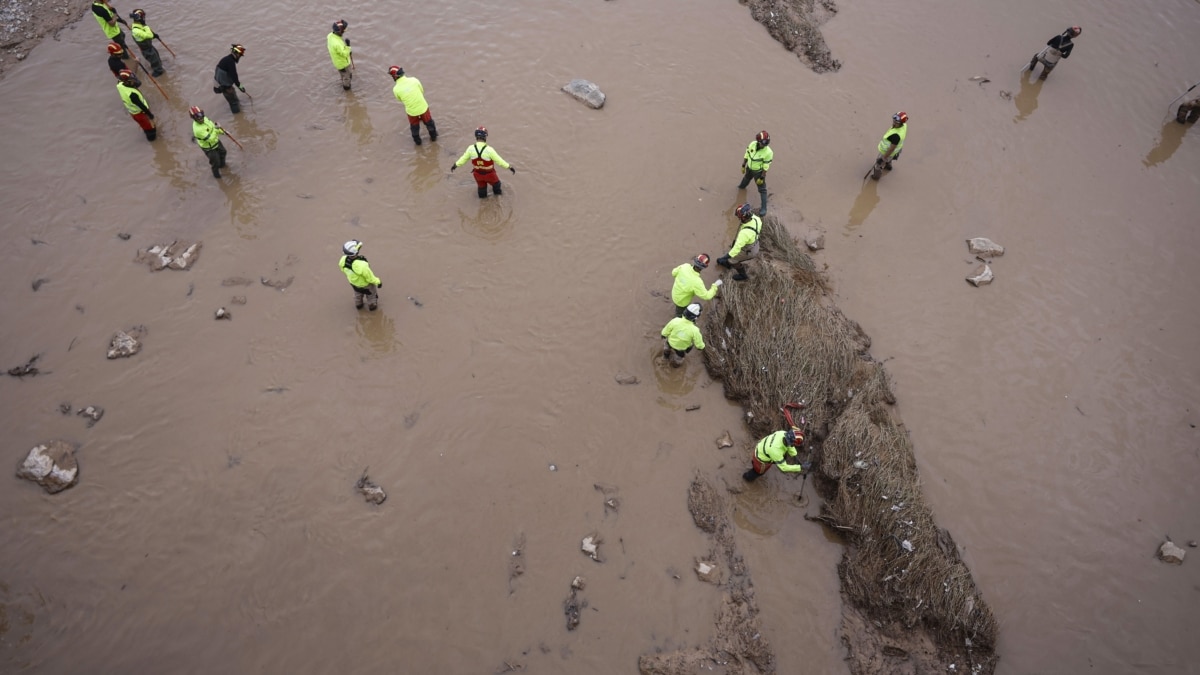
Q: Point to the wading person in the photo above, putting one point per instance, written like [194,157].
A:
[891,144]
[116,59]
[108,18]
[362,279]
[208,136]
[135,103]
[339,52]
[483,159]
[774,449]
[408,90]
[689,285]
[745,245]
[144,37]
[1057,47]
[682,335]
[226,77]
[755,164]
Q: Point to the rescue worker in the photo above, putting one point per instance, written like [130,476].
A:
[483,159]
[745,245]
[891,144]
[362,279]
[408,90]
[339,52]
[108,18]
[116,59]
[755,164]
[688,284]
[207,134]
[226,77]
[681,335]
[135,103]
[144,37]
[774,449]
[1057,47]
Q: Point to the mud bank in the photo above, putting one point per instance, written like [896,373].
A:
[796,24]
[25,23]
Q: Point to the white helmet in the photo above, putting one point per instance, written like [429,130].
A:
[694,311]
[351,247]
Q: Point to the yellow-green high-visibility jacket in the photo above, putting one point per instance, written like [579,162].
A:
[688,284]
[207,133]
[408,90]
[141,32]
[358,272]
[110,30]
[128,94]
[481,156]
[900,131]
[746,236]
[771,450]
[339,51]
[682,334]
[759,159]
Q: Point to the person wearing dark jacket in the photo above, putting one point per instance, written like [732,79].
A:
[1057,47]
[226,77]
[116,59]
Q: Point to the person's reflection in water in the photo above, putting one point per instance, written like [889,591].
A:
[1169,141]
[377,331]
[425,173]
[169,166]
[674,382]
[359,121]
[244,203]
[1026,99]
[867,200]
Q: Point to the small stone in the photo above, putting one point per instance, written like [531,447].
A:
[626,379]
[985,247]
[92,412]
[553,467]
[981,276]
[708,571]
[1170,553]
[277,284]
[692,406]
[223,313]
[51,465]
[372,492]
[725,441]
[591,546]
[64,408]
[1193,543]
[126,344]
[815,241]
[124,236]
[579,583]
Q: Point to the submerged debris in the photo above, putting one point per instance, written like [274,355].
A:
[125,344]
[591,547]
[27,369]
[372,492]
[93,413]
[175,255]
[51,465]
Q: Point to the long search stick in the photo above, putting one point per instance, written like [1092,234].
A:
[167,46]
[147,72]
[1189,89]
[230,136]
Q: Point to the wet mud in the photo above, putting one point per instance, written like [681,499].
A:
[796,24]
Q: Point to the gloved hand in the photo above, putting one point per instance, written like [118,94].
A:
[760,180]
[453,167]
[347,41]
[149,114]
[513,170]
[878,161]
[805,467]
[719,283]
[241,89]
[743,167]
[379,284]
[723,261]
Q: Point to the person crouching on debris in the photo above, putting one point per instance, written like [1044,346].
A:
[362,279]
[1057,47]
[682,335]
[689,285]
[774,450]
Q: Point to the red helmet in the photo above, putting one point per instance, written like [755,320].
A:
[744,212]
[763,137]
[481,133]
[900,117]
[237,50]
[793,437]
[115,49]
[196,113]
[395,72]
[138,15]
[340,27]
[1075,31]
[701,261]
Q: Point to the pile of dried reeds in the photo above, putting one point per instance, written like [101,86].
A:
[775,339]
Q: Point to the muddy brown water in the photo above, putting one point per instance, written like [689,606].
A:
[216,527]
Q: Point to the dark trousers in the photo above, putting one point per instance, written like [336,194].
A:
[216,158]
[151,53]
[762,187]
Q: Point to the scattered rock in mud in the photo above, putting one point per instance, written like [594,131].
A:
[222,313]
[578,583]
[814,240]
[708,571]
[1170,553]
[93,413]
[587,92]
[985,247]
[692,407]
[37,283]
[236,281]
[28,369]
[237,300]
[591,547]
[175,255]
[1193,543]
[415,301]
[795,24]
[626,379]
[725,441]
[276,283]
[611,501]
[370,491]
[64,408]
[125,344]
[51,465]
[516,561]
[124,236]
[981,276]
[573,606]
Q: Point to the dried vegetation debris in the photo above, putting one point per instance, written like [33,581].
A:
[796,24]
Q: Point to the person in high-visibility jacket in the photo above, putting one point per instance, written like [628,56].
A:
[144,37]
[106,15]
[410,92]
[116,59]
[483,159]
[891,144]
[689,285]
[339,52]
[362,279]
[745,244]
[682,335]
[755,164]
[208,136]
[775,449]
[135,103]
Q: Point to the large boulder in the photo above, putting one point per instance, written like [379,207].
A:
[51,465]
[587,92]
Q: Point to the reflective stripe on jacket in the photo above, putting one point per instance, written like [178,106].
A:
[746,236]
[772,450]
[127,95]
[759,159]
[688,284]
[207,133]
[482,157]
[141,33]
[408,90]
[358,272]
[900,131]
[682,334]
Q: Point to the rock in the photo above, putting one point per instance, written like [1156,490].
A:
[1170,553]
[175,255]
[37,283]
[372,492]
[236,281]
[814,240]
[985,247]
[587,92]
[51,465]
[578,583]
[1193,543]
[222,313]
[708,571]
[124,236]
[626,379]
[93,413]
[591,546]
[64,408]
[276,283]
[692,406]
[725,441]
[238,300]
[572,608]
[126,344]
[982,275]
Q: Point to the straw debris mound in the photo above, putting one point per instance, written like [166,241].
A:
[909,600]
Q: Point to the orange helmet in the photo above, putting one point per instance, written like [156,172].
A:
[196,113]
[763,137]
[900,117]
[115,49]
[481,133]
[125,75]
[138,15]
[237,50]
[396,72]
[744,212]
[700,261]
